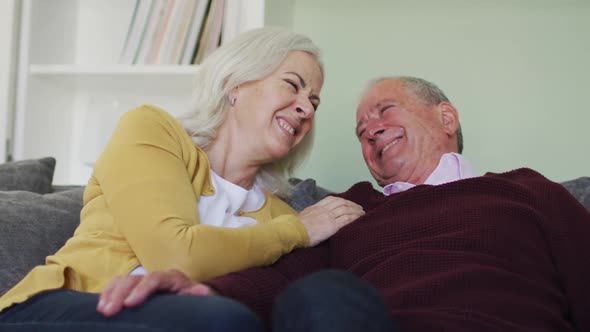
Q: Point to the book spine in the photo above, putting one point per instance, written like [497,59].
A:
[144,30]
[137,29]
[212,31]
[164,26]
[195,32]
[181,34]
[152,28]
[164,52]
[129,30]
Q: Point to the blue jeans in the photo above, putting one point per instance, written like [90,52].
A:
[331,301]
[70,311]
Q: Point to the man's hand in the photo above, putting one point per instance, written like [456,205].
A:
[132,290]
[327,216]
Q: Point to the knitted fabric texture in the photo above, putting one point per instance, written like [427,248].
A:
[501,252]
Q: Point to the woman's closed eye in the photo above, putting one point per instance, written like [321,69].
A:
[293,84]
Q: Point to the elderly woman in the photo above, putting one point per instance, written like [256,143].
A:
[198,194]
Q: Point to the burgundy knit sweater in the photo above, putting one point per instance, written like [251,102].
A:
[501,252]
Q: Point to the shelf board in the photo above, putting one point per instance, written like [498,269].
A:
[38,70]
[126,79]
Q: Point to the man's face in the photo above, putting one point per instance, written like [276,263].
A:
[402,137]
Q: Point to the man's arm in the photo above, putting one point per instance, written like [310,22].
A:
[258,287]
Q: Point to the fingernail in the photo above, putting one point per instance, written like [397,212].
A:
[100,304]
[129,299]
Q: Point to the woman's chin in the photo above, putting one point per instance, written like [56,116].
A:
[280,153]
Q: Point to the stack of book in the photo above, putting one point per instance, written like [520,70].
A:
[166,32]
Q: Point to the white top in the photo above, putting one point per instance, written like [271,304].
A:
[223,208]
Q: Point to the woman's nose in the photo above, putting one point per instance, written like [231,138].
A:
[304,107]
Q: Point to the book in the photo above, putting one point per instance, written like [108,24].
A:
[169,37]
[194,35]
[129,30]
[211,31]
[231,20]
[184,23]
[135,33]
[161,32]
[154,22]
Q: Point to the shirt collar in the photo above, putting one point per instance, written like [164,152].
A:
[451,167]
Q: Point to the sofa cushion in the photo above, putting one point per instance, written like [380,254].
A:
[305,193]
[33,226]
[33,175]
[580,189]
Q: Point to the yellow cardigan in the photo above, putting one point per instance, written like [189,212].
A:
[140,208]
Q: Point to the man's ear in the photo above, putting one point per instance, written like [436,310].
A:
[449,117]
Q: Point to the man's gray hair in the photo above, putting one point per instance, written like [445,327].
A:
[428,93]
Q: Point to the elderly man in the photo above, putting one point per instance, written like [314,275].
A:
[447,251]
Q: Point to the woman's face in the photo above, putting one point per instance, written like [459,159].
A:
[273,115]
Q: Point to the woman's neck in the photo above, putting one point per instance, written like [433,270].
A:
[231,162]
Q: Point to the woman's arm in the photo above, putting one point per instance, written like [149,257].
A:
[151,176]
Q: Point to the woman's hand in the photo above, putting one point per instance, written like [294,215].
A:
[327,216]
[132,290]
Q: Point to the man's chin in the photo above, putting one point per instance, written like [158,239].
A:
[382,181]
[388,178]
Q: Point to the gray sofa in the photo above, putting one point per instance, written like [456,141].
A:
[36,218]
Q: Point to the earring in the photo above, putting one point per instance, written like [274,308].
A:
[232,101]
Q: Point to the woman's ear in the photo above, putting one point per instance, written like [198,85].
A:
[233,96]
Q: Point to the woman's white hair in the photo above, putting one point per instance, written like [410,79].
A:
[251,56]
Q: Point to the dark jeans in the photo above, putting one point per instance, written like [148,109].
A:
[70,311]
[331,301]
[325,301]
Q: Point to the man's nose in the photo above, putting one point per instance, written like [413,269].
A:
[373,133]
[376,131]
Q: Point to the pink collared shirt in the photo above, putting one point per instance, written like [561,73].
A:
[452,167]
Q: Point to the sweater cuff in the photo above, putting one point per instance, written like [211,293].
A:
[302,231]
[291,227]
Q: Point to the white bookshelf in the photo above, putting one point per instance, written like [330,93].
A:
[8,29]
[71,89]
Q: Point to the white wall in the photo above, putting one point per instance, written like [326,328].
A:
[7,69]
[516,70]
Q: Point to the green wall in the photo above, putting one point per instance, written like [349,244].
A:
[516,70]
